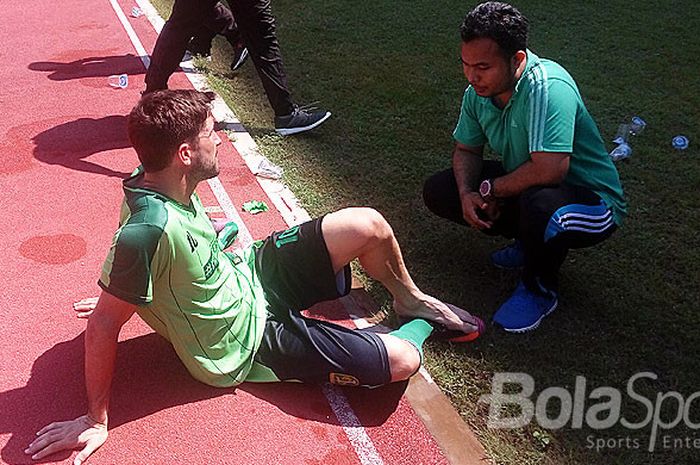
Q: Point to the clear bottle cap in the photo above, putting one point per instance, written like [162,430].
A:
[638,121]
[680,142]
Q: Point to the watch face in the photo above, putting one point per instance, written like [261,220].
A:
[485,188]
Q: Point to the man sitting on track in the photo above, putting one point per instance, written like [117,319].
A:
[234,317]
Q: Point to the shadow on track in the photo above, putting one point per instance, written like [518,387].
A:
[90,67]
[148,378]
[305,401]
[56,390]
[68,144]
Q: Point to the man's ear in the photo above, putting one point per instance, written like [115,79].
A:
[518,58]
[184,154]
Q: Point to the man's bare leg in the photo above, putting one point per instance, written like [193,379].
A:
[364,233]
[404,357]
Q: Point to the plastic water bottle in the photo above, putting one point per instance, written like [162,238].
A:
[680,143]
[118,81]
[621,152]
[625,130]
[622,135]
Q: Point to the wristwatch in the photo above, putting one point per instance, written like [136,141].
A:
[486,189]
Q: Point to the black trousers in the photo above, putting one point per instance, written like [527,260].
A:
[253,24]
[548,220]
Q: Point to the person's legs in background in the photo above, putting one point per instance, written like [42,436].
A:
[186,18]
[257,26]
[252,33]
[220,22]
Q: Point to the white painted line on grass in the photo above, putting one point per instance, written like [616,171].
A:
[151,14]
[360,322]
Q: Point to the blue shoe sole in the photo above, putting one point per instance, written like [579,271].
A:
[504,251]
[536,323]
[509,268]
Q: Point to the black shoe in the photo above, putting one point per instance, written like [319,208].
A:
[196,47]
[240,55]
[299,120]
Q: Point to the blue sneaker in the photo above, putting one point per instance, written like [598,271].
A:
[524,310]
[510,257]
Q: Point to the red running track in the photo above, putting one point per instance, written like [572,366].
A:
[65,152]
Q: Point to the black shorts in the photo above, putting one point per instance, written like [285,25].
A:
[296,272]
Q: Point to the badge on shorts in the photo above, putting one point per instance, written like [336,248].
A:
[341,379]
[287,237]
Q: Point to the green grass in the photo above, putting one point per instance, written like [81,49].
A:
[390,73]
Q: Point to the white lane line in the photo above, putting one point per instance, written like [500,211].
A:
[356,433]
[360,323]
[426,375]
[151,13]
[145,58]
[244,238]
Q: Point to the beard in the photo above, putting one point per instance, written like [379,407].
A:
[204,169]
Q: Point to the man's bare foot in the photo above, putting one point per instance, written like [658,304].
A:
[460,336]
[447,315]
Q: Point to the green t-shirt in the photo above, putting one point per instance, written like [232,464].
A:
[165,258]
[545,114]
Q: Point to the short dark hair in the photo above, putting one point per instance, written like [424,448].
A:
[163,120]
[500,22]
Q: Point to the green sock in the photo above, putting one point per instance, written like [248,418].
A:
[416,332]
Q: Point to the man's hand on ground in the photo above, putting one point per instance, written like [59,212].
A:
[85,307]
[471,204]
[65,435]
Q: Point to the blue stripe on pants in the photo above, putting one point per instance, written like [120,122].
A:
[578,217]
